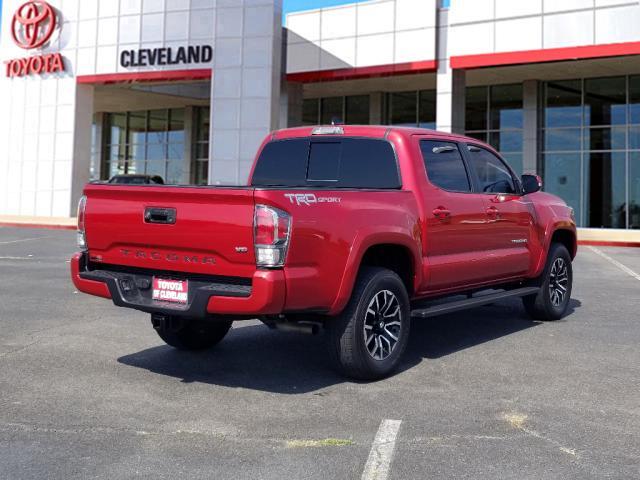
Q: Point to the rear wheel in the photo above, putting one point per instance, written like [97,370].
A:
[185,334]
[367,340]
[555,283]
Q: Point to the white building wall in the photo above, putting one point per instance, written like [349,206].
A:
[495,26]
[378,32]
[46,123]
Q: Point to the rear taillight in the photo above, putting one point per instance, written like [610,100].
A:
[271,231]
[82,239]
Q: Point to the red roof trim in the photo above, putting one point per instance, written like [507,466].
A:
[156,76]
[545,55]
[426,66]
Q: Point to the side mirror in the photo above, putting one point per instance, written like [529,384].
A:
[531,183]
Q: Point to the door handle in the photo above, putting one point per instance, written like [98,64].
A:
[442,213]
[160,215]
[493,213]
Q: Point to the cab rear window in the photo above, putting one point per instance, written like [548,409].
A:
[329,162]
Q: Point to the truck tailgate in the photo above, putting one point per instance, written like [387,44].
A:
[198,231]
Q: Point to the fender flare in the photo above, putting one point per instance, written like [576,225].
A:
[550,231]
[366,239]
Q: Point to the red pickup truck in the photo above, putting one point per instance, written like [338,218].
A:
[349,229]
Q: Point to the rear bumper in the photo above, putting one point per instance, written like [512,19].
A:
[264,296]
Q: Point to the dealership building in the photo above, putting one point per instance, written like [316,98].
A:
[187,89]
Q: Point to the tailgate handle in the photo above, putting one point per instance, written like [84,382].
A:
[160,215]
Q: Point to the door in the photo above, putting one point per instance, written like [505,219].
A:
[456,222]
[509,214]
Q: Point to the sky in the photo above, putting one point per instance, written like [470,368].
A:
[297,5]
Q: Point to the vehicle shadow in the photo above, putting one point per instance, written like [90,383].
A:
[254,357]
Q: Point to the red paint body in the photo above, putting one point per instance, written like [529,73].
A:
[473,248]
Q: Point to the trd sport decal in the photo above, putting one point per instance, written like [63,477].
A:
[309,199]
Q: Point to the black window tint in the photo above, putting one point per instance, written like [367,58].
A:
[339,162]
[324,162]
[368,163]
[282,164]
[492,173]
[445,167]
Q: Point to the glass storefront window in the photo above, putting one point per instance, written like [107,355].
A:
[563,104]
[506,107]
[200,163]
[606,199]
[477,104]
[634,190]
[403,108]
[562,177]
[331,110]
[589,141]
[494,115]
[427,109]
[148,142]
[357,110]
[605,101]
[350,110]
[412,109]
[310,111]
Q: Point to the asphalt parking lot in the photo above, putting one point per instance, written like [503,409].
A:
[88,390]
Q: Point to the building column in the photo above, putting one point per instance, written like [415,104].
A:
[245,98]
[81,166]
[451,84]
[291,99]
[530,124]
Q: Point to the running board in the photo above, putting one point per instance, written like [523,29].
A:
[472,302]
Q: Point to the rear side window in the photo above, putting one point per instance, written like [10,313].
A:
[445,167]
[492,174]
[330,162]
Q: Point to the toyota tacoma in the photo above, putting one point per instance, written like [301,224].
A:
[352,230]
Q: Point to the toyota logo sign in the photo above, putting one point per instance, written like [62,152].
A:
[33,24]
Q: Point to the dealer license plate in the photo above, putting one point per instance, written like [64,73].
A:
[170,291]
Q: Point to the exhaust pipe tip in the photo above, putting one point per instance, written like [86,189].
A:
[306,328]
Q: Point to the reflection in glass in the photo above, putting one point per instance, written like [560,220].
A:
[634,190]
[605,101]
[562,178]
[118,127]
[157,131]
[476,108]
[331,110]
[515,162]
[506,141]
[562,139]
[137,127]
[176,125]
[605,138]
[427,109]
[506,107]
[634,99]
[357,110]
[403,108]
[310,111]
[605,193]
[563,104]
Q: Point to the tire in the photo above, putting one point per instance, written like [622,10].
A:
[349,350]
[191,335]
[555,283]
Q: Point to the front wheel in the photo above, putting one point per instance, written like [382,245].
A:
[552,301]
[367,340]
[191,335]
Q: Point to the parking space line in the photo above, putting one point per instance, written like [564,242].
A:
[613,261]
[381,454]
[23,240]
